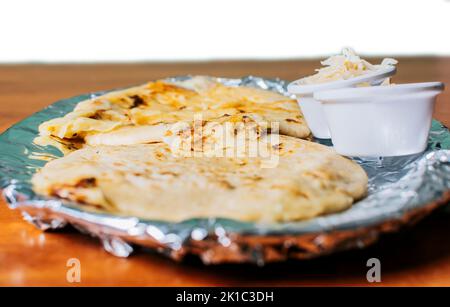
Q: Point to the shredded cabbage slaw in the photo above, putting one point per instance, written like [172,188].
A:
[345,66]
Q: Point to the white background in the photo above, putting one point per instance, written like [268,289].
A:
[133,30]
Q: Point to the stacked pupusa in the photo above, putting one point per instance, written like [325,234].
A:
[157,151]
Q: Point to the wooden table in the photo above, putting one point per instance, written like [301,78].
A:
[416,256]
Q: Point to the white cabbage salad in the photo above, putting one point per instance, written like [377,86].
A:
[345,66]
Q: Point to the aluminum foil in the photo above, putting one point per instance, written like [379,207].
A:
[402,190]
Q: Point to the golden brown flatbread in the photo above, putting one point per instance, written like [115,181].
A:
[149,181]
[144,114]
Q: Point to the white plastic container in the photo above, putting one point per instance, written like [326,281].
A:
[312,109]
[390,120]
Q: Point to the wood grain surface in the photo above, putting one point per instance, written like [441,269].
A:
[418,255]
